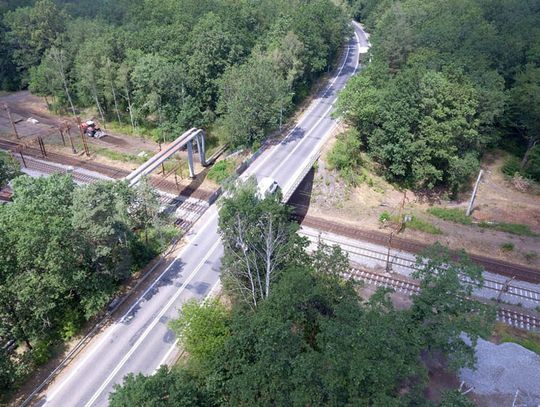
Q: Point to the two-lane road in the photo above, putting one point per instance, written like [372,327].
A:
[140,341]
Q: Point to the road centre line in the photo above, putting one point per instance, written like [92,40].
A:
[151,326]
[305,115]
[171,349]
[313,128]
[112,329]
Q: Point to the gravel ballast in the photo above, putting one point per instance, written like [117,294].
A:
[504,370]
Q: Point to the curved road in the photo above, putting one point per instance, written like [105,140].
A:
[140,340]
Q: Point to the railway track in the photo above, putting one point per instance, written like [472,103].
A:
[509,289]
[510,270]
[521,320]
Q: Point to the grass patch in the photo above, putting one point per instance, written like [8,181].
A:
[414,223]
[528,340]
[423,226]
[119,156]
[125,128]
[512,228]
[507,247]
[450,214]
[221,170]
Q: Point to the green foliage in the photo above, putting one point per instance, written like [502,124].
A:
[442,310]
[512,228]
[422,226]
[445,81]
[9,168]
[41,352]
[165,389]
[507,246]
[511,166]
[532,168]
[451,214]
[453,398]
[252,98]
[345,156]
[385,217]
[202,329]
[239,64]
[221,170]
[63,250]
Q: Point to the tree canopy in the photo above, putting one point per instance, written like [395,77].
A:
[172,65]
[446,81]
[312,340]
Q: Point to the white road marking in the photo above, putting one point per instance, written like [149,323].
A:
[255,168]
[173,346]
[151,326]
[111,330]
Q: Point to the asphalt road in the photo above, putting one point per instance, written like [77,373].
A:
[140,341]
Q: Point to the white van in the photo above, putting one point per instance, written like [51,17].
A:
[266,186]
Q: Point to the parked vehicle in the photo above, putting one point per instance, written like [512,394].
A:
[90,129]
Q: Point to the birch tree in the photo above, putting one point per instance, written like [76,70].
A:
[259,241]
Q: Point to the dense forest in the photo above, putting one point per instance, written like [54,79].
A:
[301,335]
[447,80]
[64,250]
[236,65]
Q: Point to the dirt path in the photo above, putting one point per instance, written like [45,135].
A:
[23,105]
[329,197]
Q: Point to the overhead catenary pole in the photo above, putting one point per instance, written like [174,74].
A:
[68,132]
[83,138]
[62,136]
[6,107]
[473,196]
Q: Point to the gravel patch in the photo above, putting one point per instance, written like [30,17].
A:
[505,370]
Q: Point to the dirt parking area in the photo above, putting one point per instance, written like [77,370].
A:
[24,107]
[497,201]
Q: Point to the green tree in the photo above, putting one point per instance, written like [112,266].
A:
[525,107]
[258,240]
[9,168]
[443,310]
[202,329]
[100,215]
[253,96]
[144,207]
[32,30]
[164,389]
[40,267]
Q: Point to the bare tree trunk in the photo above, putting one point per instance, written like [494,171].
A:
[530,145]
[98,105]
[113,90]
[58,55]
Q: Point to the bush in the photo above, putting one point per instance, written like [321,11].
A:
[532,169]
[221,170]
[512,228]
[345,156]
[41,352]
[385,217]
[451,214]
[511,166]
[423,226]
[507,247]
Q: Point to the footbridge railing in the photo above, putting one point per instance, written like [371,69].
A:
[186,139]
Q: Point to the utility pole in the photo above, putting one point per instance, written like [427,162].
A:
[62,136]
[473,196]
[42,147]
[68,132]
[85,143]
[6,108]
[388,264]
[19,150]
